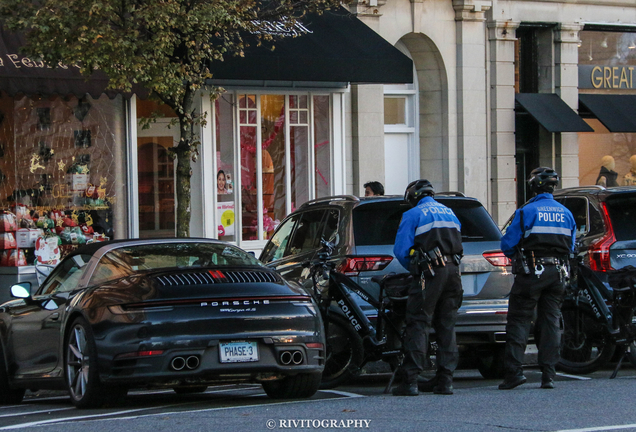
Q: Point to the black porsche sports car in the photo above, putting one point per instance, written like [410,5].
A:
[176,313]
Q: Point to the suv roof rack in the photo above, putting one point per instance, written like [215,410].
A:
[331,198]
[582,188]
[451,193]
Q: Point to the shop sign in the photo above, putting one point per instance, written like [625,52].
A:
[12,60]
[607,77]
[280,28]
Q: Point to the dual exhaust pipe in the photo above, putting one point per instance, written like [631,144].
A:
[291,357]
[180,363]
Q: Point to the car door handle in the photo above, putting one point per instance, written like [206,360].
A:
[54,316]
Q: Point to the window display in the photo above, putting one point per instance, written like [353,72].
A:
[606,63]
[62,175]
[225,217]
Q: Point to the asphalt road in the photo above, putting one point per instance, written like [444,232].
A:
[590,403]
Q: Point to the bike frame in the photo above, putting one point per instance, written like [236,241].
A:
[594,293]
[340,296]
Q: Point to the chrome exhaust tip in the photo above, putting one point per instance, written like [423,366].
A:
[286,357]
[178,363]
[297,357]
[192,362]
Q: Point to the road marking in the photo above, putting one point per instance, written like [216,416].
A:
[346,395]
[24,413]
[573,376]
[260,405]
[58,420]
[343,393]
[600,428]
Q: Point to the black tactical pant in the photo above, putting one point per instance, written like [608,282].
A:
[434,306]
[546,294]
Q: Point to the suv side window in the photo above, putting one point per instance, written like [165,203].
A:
[596,220]
[277,246]
[578,207]
[330,233]
[307,232]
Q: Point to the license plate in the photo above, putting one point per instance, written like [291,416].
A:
[234,352]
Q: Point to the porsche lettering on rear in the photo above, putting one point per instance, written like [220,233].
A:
[235,303]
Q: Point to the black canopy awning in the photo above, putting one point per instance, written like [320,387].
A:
[616,112]
[552,113]
[332,47]
[20,74]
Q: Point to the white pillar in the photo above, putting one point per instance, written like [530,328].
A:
[472,146]
[501,36]
[566,42]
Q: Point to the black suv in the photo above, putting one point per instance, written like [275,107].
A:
[606,224]
[364,229]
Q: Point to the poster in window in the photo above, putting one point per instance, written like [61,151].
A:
[225,217]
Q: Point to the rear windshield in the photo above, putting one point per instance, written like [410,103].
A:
[622,212]
[377,223]
[128,260]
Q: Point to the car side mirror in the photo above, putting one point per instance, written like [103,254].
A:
[21,290]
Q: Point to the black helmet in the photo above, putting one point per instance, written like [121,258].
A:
[543,179]
[417,190]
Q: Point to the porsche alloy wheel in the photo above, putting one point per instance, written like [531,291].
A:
[81,367]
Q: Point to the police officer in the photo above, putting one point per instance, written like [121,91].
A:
[539,240]
[429,244]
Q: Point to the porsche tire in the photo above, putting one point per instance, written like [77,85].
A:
[80,367]
[293,387]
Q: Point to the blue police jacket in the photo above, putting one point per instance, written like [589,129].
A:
[429,225]
[548,228]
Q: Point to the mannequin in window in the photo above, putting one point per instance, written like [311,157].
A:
[607,176]
[630,177]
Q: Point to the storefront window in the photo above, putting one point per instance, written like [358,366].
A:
[273,161]
[299,148]
[225,168]
[322,146]
[249,186]
[607,61]
[156,171]
[284,143]
[63,175]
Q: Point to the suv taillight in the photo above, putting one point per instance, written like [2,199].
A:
[497,258]
[351,266]
[599,252]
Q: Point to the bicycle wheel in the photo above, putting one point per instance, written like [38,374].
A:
[585,344]
[344,352]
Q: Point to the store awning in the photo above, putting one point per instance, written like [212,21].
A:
[616,112]
[19,74]
[552,113]
[334,47]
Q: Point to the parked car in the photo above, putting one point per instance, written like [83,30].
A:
[364,229]
[175,313]
[606,232]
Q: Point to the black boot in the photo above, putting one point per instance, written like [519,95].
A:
[512,381]
[427,386]
[547,382]
[444,386]
[406,389]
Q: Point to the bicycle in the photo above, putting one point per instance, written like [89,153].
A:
[597,320]
[352,340]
